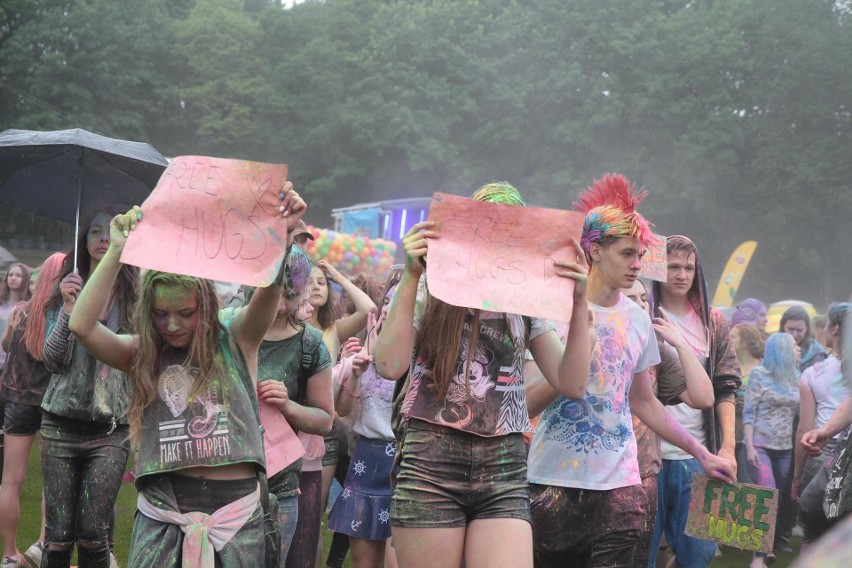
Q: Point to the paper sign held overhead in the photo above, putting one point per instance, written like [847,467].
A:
[501,258]
[213,218]
[739,515]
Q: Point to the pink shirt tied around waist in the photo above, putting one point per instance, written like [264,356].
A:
[203,532]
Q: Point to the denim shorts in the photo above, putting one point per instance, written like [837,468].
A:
[332,448]
[448,478]
[21,419]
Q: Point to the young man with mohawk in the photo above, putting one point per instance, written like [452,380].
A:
[587,501]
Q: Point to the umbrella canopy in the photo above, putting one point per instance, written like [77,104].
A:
[60,173]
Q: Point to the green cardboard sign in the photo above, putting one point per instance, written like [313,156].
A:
[739,515]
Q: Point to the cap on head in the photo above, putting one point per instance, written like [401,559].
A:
[302,229]
[610,208]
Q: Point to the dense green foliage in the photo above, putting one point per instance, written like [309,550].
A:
[734,114]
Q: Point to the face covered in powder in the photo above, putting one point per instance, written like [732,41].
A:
[97,237]
[175,314]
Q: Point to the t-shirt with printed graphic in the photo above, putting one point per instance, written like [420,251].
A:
[771,408]
[218,426]
[589,443]
[494,403]
[374,420]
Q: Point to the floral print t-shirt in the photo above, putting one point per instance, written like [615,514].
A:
[770,408]
[589,443]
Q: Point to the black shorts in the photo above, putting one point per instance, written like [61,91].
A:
[21,419]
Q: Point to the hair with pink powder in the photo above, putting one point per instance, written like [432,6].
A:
[610,208]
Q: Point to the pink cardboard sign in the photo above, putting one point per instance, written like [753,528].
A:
[501,258]
[213,218]
[655,263]
[280,442]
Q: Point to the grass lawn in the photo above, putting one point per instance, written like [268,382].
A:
[126,506]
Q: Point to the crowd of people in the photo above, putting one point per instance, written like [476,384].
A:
[458,437]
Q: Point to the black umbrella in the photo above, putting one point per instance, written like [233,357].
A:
[60,173]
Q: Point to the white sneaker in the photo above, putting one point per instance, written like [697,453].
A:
[113,563]
[34,553]
[13,562]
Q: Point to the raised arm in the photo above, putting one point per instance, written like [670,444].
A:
[567,370]
[396,341]
[100,341]
[352,324]
[251,323]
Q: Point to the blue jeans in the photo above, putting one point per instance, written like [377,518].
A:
[774,471]
[82,464]
[674,483]
[288,516]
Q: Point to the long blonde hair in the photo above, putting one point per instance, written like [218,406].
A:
[203,350]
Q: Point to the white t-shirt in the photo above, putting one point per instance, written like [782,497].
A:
[589,443]
[826,381]
[374,420]
[691,419]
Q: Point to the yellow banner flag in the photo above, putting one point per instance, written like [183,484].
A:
[733,275]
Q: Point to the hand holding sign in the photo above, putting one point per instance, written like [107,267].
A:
[576,271]
[292,206]
[736,514]
[415,245]
[218,219]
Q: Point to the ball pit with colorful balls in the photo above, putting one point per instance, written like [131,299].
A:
[351,254]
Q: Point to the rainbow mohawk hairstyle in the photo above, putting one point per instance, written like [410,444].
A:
[610,208]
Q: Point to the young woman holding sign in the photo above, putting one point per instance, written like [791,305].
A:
[462,485]
[294,374]
[193,411]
